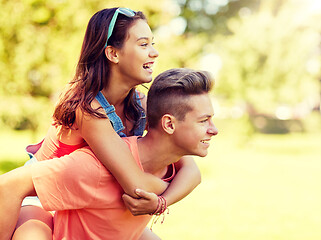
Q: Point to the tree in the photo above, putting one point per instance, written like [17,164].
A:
[186,35]
[211,16]
[39,48]
[265,59]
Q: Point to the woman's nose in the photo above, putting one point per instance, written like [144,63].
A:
[153,53]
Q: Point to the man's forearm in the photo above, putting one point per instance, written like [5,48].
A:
[14,186]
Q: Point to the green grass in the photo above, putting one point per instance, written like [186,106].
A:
[12,146]
[265,188]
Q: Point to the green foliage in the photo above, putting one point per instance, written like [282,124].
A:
[269,52]
[39,48]
[33,61]
[21,112]
[175,54]
[6,166]
[211,16]
[264,63]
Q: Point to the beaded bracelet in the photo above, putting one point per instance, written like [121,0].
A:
[161,208]
[158,207]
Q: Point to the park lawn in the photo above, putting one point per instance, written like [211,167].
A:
[12,146]
[265,188]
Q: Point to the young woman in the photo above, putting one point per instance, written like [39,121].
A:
[117,54]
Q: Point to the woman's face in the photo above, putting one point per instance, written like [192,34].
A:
[137,56]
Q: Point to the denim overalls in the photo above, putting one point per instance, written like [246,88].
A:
[113,118]
[116,123]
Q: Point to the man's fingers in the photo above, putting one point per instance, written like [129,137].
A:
[143,194]
[127,199]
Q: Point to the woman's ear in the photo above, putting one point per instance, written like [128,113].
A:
[168,123]
[111,54]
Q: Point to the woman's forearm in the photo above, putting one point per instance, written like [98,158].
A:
[186,179]
[116,156]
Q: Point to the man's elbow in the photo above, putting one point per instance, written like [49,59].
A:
[2,188]
[6,184]
[16,184]
[7,188]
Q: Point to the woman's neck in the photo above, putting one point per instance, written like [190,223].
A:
[117,89]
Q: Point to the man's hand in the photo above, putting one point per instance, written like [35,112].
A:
[146,204]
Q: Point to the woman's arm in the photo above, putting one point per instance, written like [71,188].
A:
[115,155]
[186,179]
[188,176]
[14,186]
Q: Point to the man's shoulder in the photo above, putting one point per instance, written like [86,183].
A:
[133,146]
[86,150]
[130,141]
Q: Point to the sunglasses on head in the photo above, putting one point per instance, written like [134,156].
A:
[125,11]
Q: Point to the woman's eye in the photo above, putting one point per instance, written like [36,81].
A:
[144,44]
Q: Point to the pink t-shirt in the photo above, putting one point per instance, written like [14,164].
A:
[51,147]
[87,197]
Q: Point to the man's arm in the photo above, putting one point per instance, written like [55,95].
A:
[57,177]
[14,187]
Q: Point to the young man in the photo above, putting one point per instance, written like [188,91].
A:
[86,197]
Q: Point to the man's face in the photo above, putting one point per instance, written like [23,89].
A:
[194,133]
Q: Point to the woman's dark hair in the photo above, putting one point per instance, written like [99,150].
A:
[92,72]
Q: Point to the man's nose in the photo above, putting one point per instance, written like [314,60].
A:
[212,129]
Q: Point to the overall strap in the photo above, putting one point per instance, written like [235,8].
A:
[142,122]
[112,116]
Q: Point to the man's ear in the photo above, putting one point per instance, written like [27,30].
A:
[168,123]
[111,54]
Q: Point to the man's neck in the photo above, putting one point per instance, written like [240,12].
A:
[156,153]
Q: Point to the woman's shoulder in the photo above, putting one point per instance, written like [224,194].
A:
[69,136]
[83,115]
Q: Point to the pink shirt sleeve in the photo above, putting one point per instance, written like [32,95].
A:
[69,182]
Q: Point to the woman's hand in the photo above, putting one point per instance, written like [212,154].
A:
[146,204]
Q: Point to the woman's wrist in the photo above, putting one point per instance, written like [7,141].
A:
[161,206]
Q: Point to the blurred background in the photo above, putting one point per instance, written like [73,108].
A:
[261,179]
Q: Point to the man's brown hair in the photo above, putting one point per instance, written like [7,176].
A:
[170,91]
